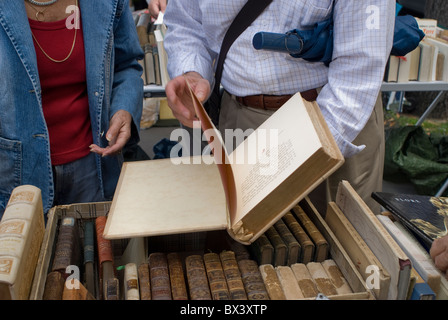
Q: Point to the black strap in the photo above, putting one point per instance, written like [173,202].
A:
[251,10]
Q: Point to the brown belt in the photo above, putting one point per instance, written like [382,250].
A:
[271,102]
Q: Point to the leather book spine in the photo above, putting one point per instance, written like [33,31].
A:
[131,288]
[305,280]
[112,289]
[289,283]
[105,257]
[197,278]
[252,280]
[335,274]
[321,278]
[216,278]
[144,281]
[279,247]
[233,275]
[54,286]
[66,252]
[316,236]
[159,276]
[89,256]
[292,245]
[272,282]
[307,245]
[76,292]
[177,277]
[262,250]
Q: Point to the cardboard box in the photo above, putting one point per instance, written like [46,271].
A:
[186,243]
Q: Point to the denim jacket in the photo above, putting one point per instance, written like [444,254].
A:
[113,82]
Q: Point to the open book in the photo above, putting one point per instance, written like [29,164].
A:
[245,191]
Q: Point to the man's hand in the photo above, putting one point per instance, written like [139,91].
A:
[118,134]
[439,253]
[155,6]
[179,97]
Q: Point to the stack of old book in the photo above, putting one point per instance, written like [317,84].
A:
[293,239]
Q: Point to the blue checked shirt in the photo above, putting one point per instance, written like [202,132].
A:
[363,34]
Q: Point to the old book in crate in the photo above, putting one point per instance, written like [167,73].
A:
[245,191]
[21,234]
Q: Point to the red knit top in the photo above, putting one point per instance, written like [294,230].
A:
[64,90]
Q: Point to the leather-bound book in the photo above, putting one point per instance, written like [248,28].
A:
[279,246]
[335,274]
[177,277]
[252,280]
[307,247]
[197,278]
[272,282]
[144,281]
[54,286]
[241,251]
[292,245]
[322,247]
[131,288]
[77,291]
[112,289]
[289,283]
[21,234]
[305,280]
[106,259]
[89,257]
[216,277]
[159,276]
[67,251]
[262,250]
[233,275]
[321,278]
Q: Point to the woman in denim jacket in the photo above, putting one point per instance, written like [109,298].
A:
[70,97]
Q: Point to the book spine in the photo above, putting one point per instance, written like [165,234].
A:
[66,250]
[112,289]
[272,282]
[262,250]
[197,278]
[252,280]
[105,259]
[316,236]
[321,278]
[335,274]
[305,280]
[216,278]
[54,286]
[289,283]
[131,289]
[292,245]
[89,256]
[77,292]
[144,281]
[307,246]
[177,277]
[159,276]
[233,275]
[279,247]
[21,234]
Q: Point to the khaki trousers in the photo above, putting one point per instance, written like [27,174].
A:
[364,171]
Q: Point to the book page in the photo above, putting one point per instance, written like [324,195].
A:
[272,153]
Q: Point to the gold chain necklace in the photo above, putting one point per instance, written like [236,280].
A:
[71,50]
[40,16]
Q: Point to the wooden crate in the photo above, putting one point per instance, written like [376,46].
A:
[186,243]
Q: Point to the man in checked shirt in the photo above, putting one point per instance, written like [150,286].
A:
[349,88]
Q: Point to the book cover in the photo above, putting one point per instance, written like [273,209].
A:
[272,282]
[197,278]
[262,250]
[233,275]
[159,276]
[247,197]
[305,280]
[252,280]
[177,277]
[292,245]
[307,246]
[426,216]
[216,278]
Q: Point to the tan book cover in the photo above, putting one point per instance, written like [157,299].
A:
[77,291]
[144,281]
[54,286]
[322,279]
[131,287]
[305,280]
[216,277]
[289,283]
[357,249]
[272,282]
[233,275]
[21,234]
[335,274]
[248,195]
